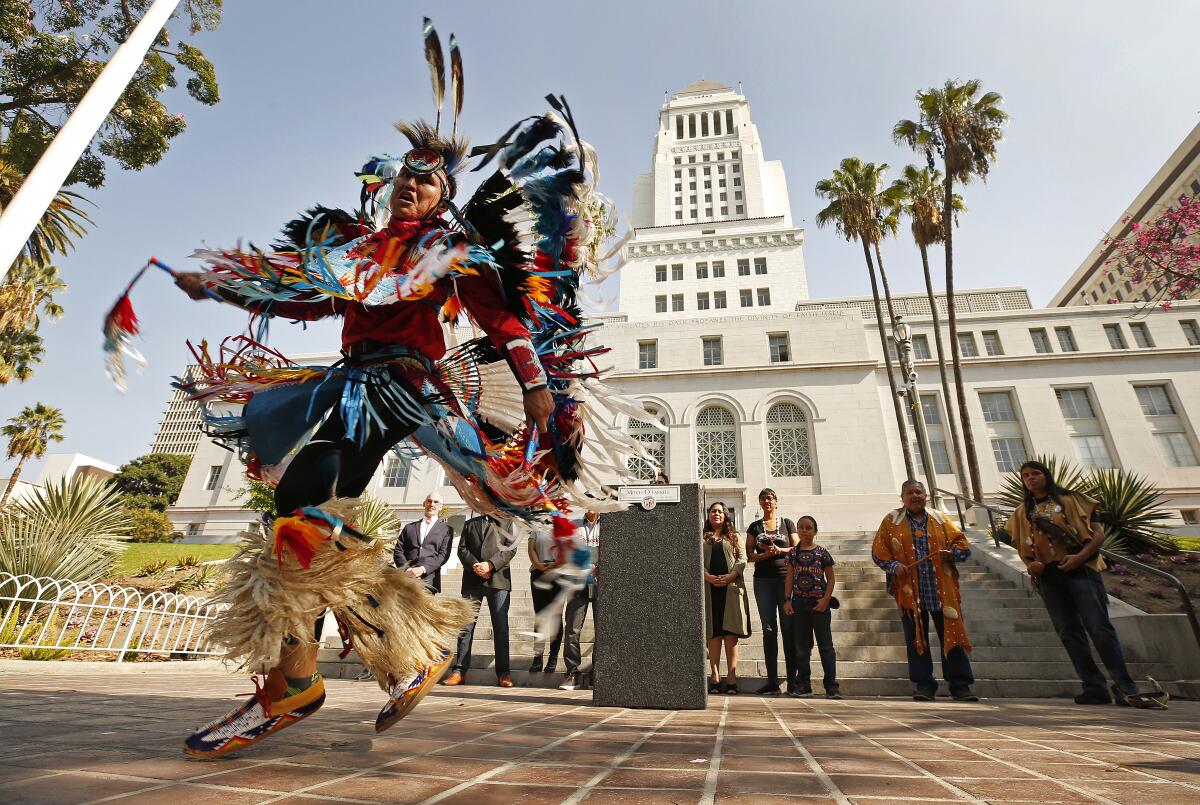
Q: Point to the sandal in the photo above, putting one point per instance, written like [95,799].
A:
[714,687]
[731,689]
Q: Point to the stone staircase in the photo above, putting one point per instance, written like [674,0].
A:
[1016,651]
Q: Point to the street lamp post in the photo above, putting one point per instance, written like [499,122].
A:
[903,336]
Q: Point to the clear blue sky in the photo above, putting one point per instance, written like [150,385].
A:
[1099,92]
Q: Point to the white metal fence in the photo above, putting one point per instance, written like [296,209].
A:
[49,615]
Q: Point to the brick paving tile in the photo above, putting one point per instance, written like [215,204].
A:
[385,788]
[1029,790]
[771,799]
[892,787]
[764,763]
[521,794]
[67,789]
[274,777]
[185,794]
[630,796]
[874,765]
[970,768]
[642,778]
[661,761]
[1143,793]
[574,776]
[1085,771]
[768,783]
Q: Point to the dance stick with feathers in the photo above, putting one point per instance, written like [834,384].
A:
[121,325]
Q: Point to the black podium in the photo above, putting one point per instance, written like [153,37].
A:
[649,615]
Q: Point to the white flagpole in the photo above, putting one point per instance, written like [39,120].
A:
[47,177]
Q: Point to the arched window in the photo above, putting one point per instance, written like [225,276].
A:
[787,441]
[655,441]
[716,443]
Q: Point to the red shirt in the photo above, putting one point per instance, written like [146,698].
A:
[415,323]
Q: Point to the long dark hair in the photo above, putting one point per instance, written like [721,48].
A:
[1053,490]
[727,533]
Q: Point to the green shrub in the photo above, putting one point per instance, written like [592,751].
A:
[69,530]
[149,525]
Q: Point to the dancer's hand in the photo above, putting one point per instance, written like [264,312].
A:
[192,283]
[901,571]
[539,405]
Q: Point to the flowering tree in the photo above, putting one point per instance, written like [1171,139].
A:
[1163,253]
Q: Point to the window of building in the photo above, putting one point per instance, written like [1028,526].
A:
[1191,331]
[718,300]
[936,432]
[737,181]
[724,211]
[1041,341]
[747,297]
[648,354]
[702,301]
[716,444]
[692,158]
[660,304]
[1084,428]
[893,349]
[678,159]
[706,158]
[721,169]
[701,271]
[1190,516]
[760,265]
[193,529]
[660,273]
[991,342]
[718,269]
[729,124]
[739,209]
[1004,430]
[1095,296]
[1066,339]
[736,168]
[788,441]
[1116,339]
[711,348]
[764,297]
[708,212]
[1166,426]
[777,344]
[693,214]
[920,344]
[678,174]
[396,471]
[677,271]
[214,476]
[678,215]
[737,195]
[676,302]
[1141,334]
[966,345]
[654,440]
[707,170]
[743,268]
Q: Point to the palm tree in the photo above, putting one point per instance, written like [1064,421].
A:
[20,349]
[58,227]
[856,213]
[29,433]
[918,195]
[961,126]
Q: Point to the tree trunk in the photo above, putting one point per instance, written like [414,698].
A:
[12,481]
[968,435]
[951,415]
[901,425]
[892,318]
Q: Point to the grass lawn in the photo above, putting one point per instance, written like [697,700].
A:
[138,554]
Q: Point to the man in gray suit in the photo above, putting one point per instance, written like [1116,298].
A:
[485,551]
[425,545]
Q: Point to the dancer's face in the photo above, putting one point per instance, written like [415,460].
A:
[416,196]
[914,498]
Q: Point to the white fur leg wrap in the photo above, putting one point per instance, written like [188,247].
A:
[396,626]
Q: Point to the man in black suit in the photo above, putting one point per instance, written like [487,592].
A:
[424,545]
[485,551]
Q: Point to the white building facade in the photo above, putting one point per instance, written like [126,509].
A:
[758,386]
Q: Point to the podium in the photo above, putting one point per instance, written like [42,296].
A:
[649,614]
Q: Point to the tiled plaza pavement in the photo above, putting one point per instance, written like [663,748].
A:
[105,736]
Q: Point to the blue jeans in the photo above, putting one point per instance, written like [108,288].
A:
[770,597]
[806,624]
[956,666]
[498,608]
[1078,607]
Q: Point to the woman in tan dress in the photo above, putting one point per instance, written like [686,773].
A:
[726,605]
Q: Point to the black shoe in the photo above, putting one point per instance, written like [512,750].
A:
[833,693]
[1093,697]
[722,687]
[801,692]
[536,666]
[963,695]
[769,689]
[924,694]
[731,689]
[714,687]
[551,664]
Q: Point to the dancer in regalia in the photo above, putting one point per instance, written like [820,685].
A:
[503,414]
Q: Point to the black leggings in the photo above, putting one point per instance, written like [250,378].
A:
[335,465]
